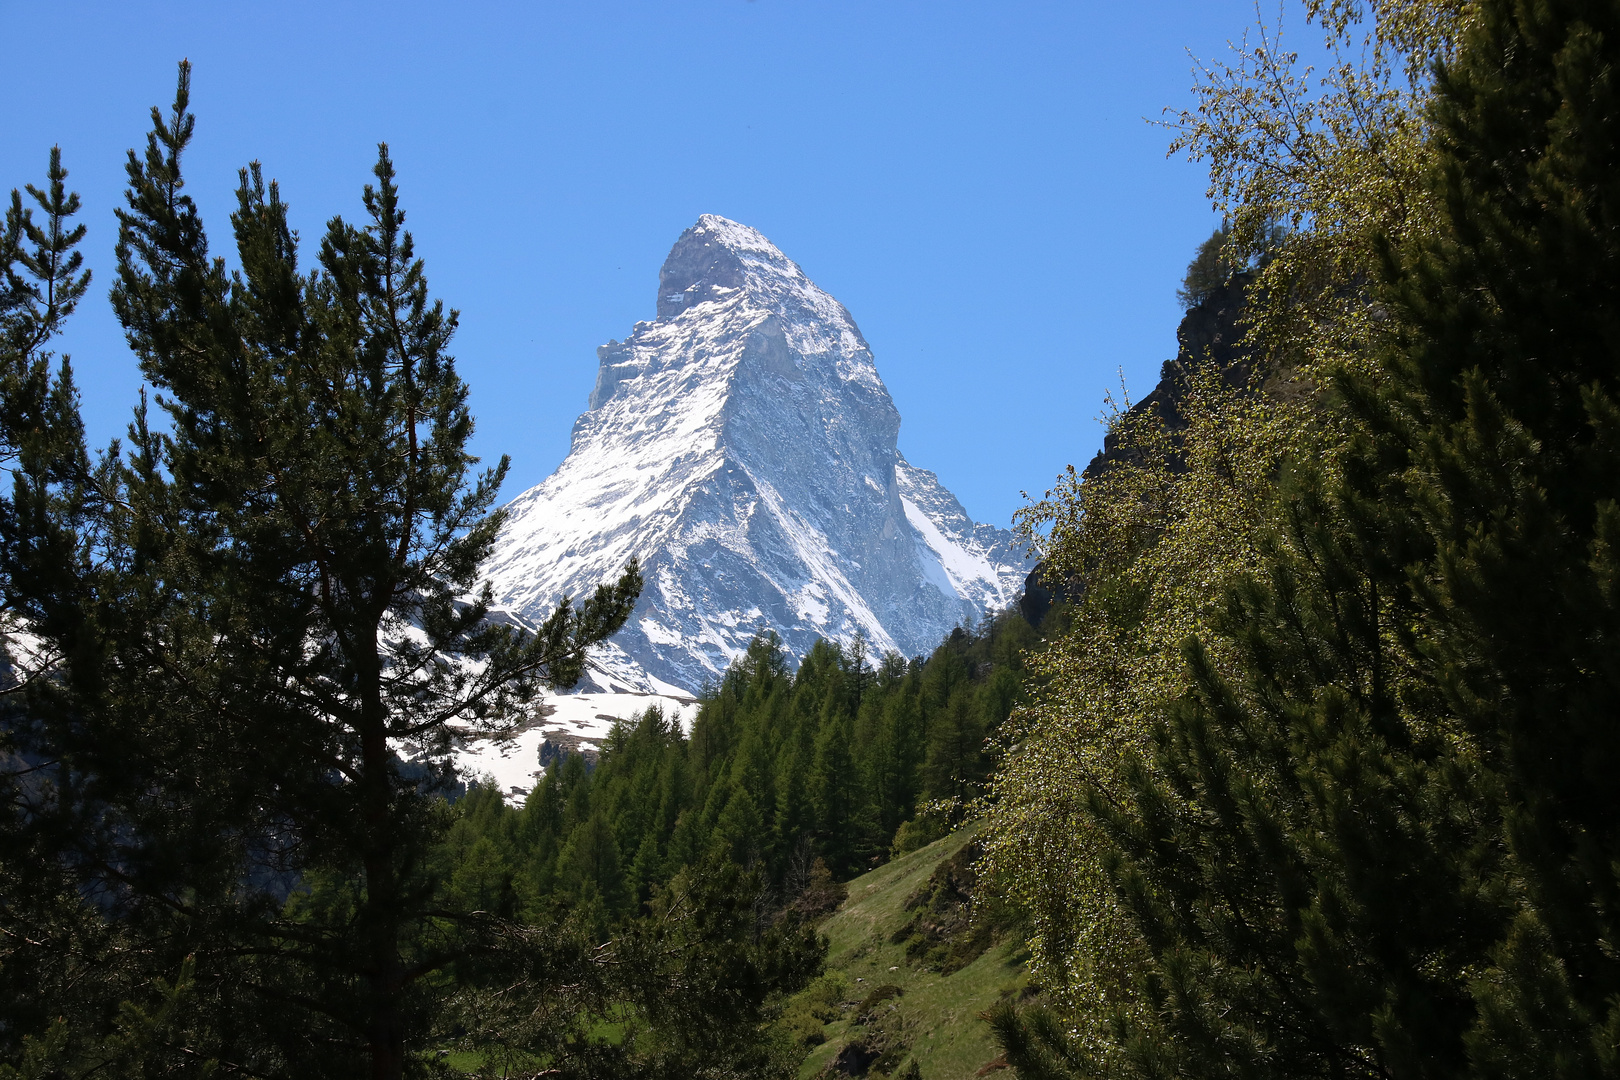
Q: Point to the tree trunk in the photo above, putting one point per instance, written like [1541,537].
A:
[379,915]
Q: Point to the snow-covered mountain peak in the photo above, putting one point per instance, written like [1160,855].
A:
[742,447]
[724,280]
[717,257]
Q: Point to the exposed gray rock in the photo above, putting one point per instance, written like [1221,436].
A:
[743,448]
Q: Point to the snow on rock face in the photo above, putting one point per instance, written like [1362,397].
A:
[742,447]
[514,764]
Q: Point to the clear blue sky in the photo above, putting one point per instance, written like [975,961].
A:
[975,181]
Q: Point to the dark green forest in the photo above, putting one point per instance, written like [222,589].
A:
[804,776]
[213,860]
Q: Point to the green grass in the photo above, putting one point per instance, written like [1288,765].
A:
[939,1013]
[479,1062]
[482,1062]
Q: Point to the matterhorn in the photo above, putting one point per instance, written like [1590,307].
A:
[742,448]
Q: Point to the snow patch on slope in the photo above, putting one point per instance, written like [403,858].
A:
[512,764]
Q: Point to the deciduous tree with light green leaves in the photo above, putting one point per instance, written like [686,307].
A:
[1368,831]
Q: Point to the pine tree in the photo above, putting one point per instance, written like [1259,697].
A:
[905,751]
[45,516]
[592,868]
[1504,411]
[794,820]
[63,974]
[739,832]
[835,795]
[303,542]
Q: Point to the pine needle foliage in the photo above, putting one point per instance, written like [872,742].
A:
[60,963]
[806,776]
[245,620]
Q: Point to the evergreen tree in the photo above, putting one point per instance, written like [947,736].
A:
[835,796]
[712,976]
[795,817]
[592,869]
[65,968]
[291,560]
[897,766]
[956,763]
[1502,415]
[739,831]
[781,772]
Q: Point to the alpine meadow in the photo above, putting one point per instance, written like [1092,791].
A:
[1295,757]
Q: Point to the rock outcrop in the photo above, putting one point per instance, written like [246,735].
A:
[1211,331]
[742,447]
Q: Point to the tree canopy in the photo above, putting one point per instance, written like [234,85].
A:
[1354,827]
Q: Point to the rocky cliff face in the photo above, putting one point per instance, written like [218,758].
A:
[743,448]
[1211,330]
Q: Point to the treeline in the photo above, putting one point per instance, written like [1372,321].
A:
[807,776]
[1320,782]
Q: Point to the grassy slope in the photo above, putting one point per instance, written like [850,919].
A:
[947,1038]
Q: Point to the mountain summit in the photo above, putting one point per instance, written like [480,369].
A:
[742,447]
